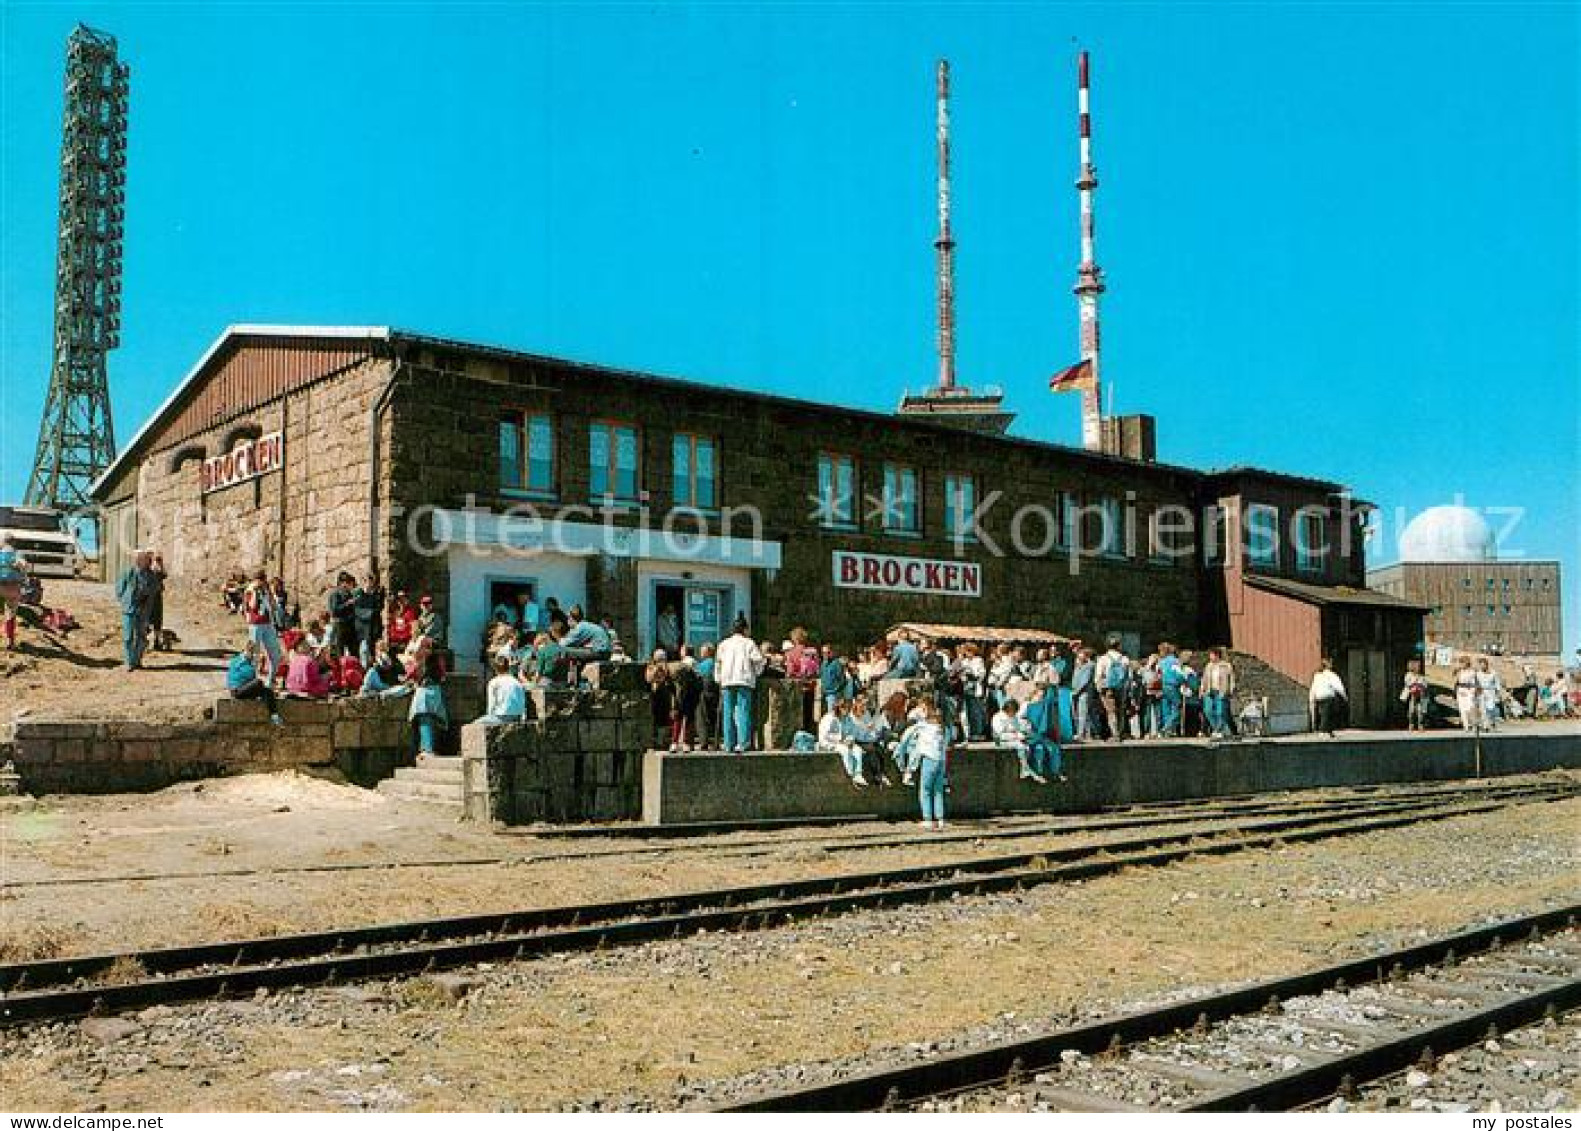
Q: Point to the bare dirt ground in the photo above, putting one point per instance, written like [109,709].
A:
[81,674]
[662,1024]
[272,853]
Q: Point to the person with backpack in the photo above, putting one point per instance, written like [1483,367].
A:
[1113,678]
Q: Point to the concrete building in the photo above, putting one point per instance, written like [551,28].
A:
[473,473]
[1475,603]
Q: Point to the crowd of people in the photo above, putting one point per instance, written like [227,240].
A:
[741,693]
[362,642]
[1483,702]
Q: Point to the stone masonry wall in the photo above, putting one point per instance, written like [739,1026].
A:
[305,522]
[445,454]
[578,758]
[366,739]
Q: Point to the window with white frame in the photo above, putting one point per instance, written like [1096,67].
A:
[960,501]
[902,515]
[614,457]
[1262,534]
[695,480]
[836,491]
[527,453]
[1311,541]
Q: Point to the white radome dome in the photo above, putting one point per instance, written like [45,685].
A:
[1448,534]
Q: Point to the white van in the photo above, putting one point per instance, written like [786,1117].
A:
[42,538]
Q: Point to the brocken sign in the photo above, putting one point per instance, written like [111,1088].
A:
[247,460]
[907,575]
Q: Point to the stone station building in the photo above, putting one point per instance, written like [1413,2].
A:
[474,473]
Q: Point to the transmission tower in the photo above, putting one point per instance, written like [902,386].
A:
[76,440]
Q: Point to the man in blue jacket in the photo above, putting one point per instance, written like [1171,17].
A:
[135,591]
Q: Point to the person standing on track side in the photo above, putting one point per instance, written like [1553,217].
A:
[922,752]
[1327,698]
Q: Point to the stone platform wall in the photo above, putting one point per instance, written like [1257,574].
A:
[577,758]
[366,739]
[681,788]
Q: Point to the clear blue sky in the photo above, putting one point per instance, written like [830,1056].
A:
[1341,241]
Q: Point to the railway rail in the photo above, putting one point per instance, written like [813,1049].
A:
[1275,1045]
[71,987]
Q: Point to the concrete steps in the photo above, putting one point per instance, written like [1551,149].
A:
[437,782]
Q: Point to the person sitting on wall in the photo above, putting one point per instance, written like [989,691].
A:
[243,682]
[871,732]
[837,736]
[232,591]
[430,622]
[349,674]
[507,698]
[385,674]
[305,677]
[1042,729]
[553,614]
[586,641]
[1012,732]
[550,666]
[400,621]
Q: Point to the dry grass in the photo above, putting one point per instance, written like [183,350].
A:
[119,972]
[36,942]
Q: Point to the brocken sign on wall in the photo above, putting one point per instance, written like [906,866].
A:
[247,460]
[907,575]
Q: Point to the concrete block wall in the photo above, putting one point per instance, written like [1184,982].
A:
[578,758]
[680,788]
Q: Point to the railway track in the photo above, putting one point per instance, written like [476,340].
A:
[1276,1045]
[55,989]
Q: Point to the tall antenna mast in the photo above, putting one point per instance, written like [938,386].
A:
[1089,277]
[76,439]
[945,243]
[946,401]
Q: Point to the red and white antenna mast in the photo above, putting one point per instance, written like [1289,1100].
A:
[1089,277]
[945,244]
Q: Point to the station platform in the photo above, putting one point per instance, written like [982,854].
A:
[984,780]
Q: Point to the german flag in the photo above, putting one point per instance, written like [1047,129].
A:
[1078,377]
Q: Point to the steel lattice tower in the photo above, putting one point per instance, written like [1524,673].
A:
[76,440]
